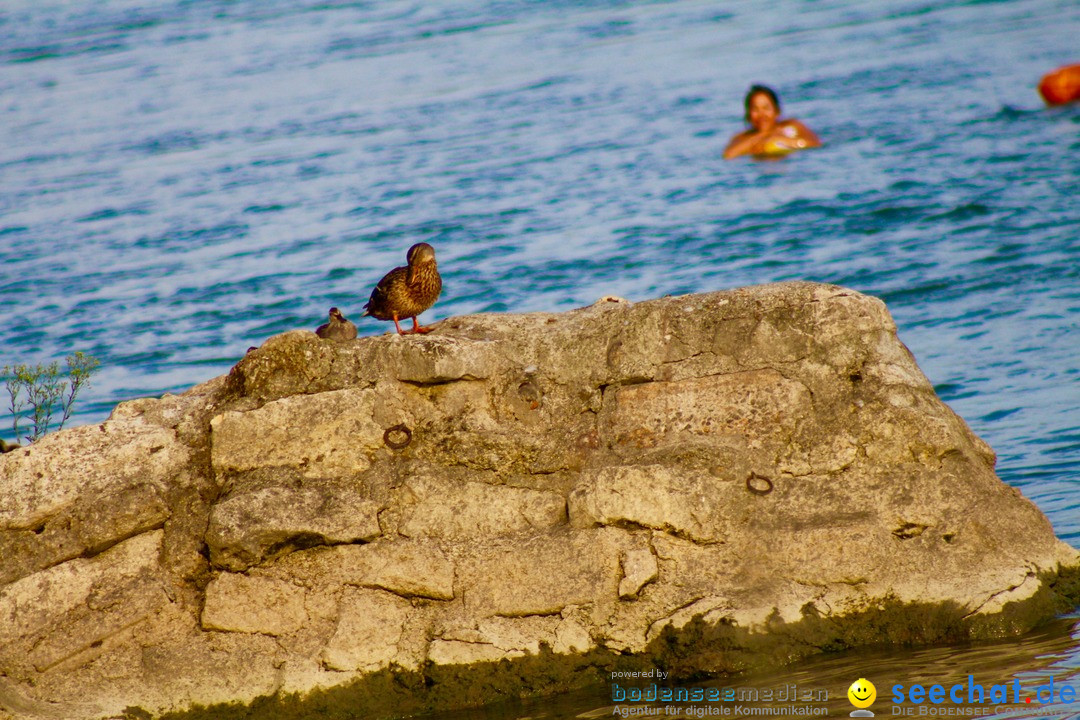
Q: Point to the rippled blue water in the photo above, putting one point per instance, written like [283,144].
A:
[180,179]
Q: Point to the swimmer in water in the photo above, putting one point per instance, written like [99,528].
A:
[768,134]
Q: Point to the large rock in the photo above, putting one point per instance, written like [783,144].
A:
[761,468]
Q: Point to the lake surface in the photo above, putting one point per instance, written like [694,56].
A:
[181,179]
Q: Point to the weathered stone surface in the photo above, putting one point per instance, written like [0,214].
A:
[495,638]
[239,603]
[462,652]
[693,505]
[69,612]
[753,462]
[370,627]
[410,569]
[759,405]
[459,510]
[83,492]
[250,527]
[324,435]
[544,573]
[639,567]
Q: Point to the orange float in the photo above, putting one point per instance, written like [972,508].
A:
[1061,86]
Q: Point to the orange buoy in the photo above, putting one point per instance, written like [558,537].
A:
[1061,85]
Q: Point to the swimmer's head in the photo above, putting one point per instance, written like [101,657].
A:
[757,102]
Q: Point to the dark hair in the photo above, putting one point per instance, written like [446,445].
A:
[754,90]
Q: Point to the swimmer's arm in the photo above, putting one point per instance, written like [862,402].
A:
[745,143]
[804,133]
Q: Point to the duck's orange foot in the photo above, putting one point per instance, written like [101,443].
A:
[417,328]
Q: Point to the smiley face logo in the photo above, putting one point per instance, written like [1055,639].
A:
[862,693]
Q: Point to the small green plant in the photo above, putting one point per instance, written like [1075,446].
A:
[34,391]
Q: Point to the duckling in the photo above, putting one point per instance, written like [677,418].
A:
[407,291]
[339,328]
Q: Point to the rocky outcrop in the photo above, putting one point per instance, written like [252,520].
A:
[704,482]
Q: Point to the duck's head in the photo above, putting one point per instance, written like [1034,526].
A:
[419,254]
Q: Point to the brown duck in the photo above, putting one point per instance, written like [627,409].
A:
[407,291]
[339,328]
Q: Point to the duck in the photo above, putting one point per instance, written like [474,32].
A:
[338,328]
[407,291]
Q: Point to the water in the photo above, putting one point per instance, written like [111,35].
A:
[181,179]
